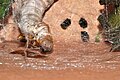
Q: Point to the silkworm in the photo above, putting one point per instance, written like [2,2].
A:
[28,15]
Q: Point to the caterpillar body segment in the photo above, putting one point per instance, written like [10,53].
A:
[111,25]
[28,15]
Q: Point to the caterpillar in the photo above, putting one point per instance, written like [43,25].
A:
[106,2]
[111,26]
[28,15]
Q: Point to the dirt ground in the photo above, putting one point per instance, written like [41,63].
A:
[71,59]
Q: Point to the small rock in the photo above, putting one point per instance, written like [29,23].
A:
[65,23]
[84,36]
[83,23]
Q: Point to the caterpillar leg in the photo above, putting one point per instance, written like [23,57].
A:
[22,38]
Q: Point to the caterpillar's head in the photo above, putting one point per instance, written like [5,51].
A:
[46,45]
[43,38]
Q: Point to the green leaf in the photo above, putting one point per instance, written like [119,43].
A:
[4,5]
[114,19]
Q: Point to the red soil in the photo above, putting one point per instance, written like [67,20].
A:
[71,59]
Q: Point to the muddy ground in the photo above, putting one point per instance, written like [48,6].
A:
[71,59]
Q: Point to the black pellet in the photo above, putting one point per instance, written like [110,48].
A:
[84,36]
[65,23]
[83,23]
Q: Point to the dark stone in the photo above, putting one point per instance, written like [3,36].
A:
[65,23]
[84,36]
[83,23]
